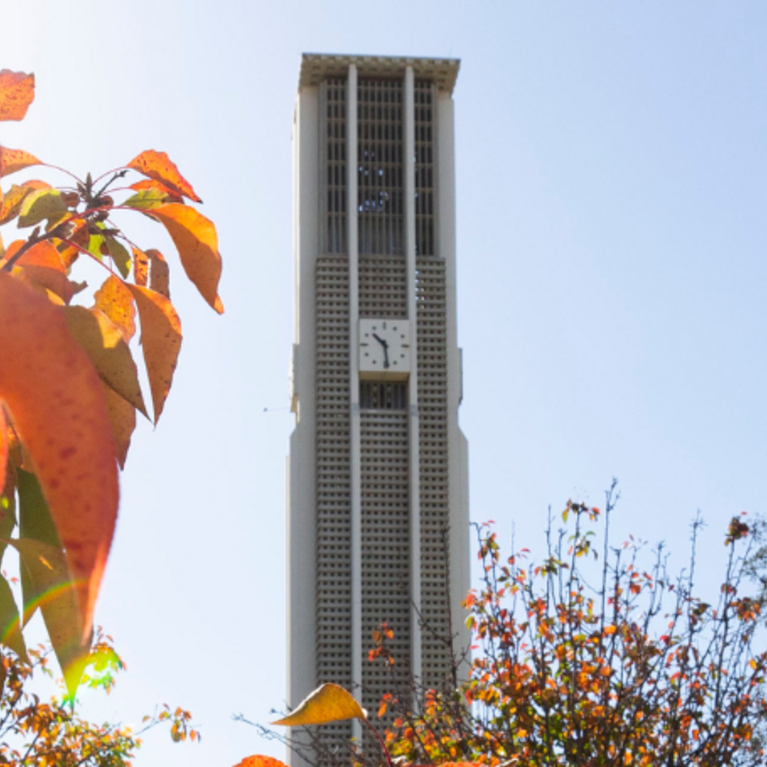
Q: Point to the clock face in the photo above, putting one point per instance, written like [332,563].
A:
[384,349]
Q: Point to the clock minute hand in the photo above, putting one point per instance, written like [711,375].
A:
[385,345]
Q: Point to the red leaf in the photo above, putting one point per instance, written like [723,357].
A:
[57,404]
[17,91]
[158,165]
[12,160]
[42,264]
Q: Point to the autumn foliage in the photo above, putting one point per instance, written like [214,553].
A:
[582,662]
[69,383]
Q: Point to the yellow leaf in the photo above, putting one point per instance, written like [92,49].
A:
[115,300]
[195,238]
[104,343]
[56,401]
[160,341]
[41,205]
[328,703]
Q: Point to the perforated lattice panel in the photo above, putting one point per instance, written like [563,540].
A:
[380,167]
[333,541]
[385,544]
[433,446]
[383,286]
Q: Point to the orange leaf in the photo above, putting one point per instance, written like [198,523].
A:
[197,244]
[43,265]
[140,267]
[17,92]
[12,160]
[115,300]
[158,165]
[123,418]
[260,761]
[57,404]
[160,341]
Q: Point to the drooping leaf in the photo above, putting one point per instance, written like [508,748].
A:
[57,596]
[140,267]
[122,415]
[42,264]
[159,274]
[17,91]
[35,523]
[260,761]
[41,205]
[115,300]
[12,160]
[104,343]
[195,238]
[11,204]
[157,186]
[57,404]
[119,254]
[10,622]
[158,165]
[160,341]
[328,703]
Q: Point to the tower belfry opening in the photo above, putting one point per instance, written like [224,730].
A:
[378,485]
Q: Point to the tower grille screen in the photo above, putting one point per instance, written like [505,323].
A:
[383,286]
[333,535]
[334,91]
[385,547]
[432,406]
[424,168]
[380,167]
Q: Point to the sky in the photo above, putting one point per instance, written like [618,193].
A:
[612,284]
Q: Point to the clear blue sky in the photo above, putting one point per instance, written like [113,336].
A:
[612,224]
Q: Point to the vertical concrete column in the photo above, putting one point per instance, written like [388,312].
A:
[414,452]
[352,164]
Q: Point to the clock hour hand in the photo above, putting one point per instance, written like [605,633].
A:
[385,345]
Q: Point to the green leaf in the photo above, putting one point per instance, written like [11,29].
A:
[119,254]
[10,625]
[41,205]
[147,199]
[35,523]
[47,569]
[328,703]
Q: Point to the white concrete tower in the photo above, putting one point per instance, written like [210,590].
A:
[378,470]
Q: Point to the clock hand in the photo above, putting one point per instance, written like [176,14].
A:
[381,341]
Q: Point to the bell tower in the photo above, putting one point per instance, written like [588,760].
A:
[378,467]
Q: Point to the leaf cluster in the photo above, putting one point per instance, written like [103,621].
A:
[69,381]
[635,670]
[52,734]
